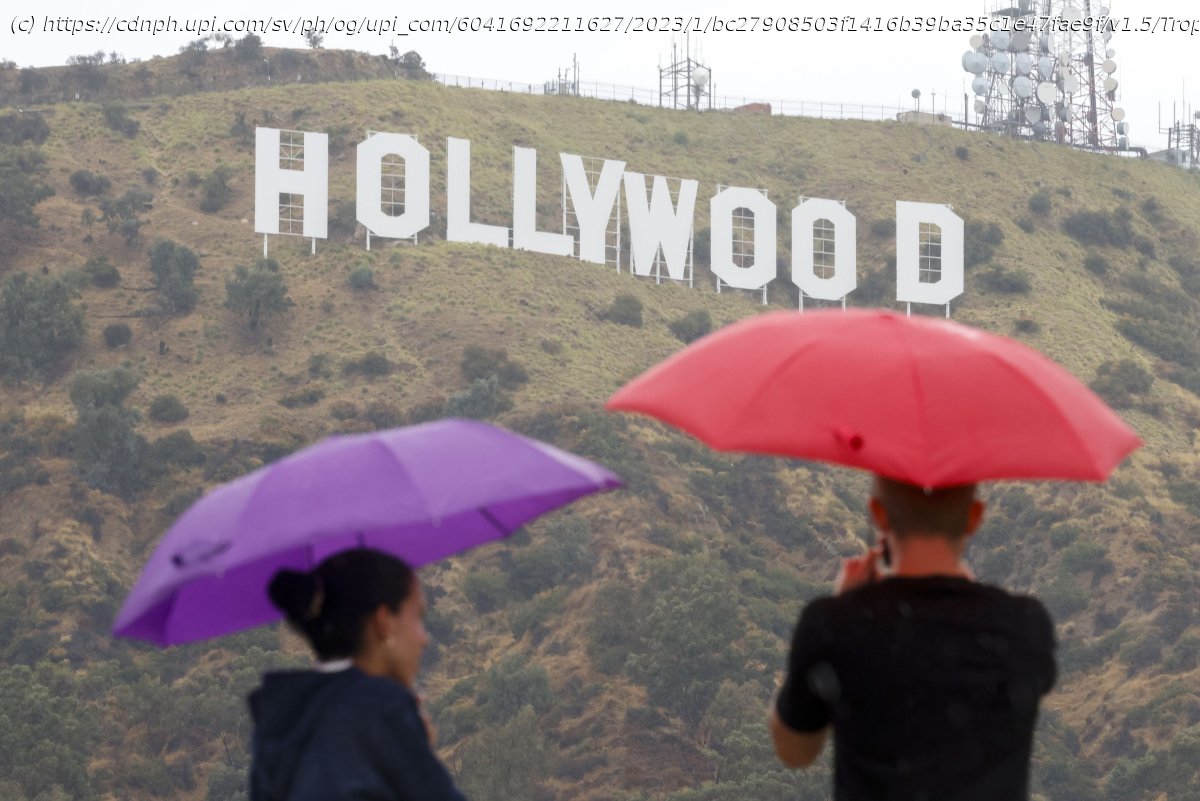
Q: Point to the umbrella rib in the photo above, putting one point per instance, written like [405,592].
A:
[491,518]
[922,417]
[1050,399]
[766,384]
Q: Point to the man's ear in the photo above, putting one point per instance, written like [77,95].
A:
[379,624]
[975,516]
[878,514]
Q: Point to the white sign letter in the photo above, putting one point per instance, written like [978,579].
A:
[656,223]
[592,213]
[806,240]
[369,210]
[721,208]
[526,236]
[929,244]
[310,182]
[459,227]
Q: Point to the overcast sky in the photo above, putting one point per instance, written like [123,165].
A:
[875,68]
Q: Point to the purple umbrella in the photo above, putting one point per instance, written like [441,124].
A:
[421,493]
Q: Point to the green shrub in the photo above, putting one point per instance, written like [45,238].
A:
[1003,279]
[1086,556]
[116,116]
[319,365]
[177,448]
[101,272]
[372,364]
[1118,382]
[362,278]
[680,138]
[117,335]
[487,589]
[1095,264]
[479,363]
[692,326]
[883,229]
[382,414]
[482,400]
[1064,596]
[1100,228]
[215,190]
[257,291]
[308,397]
[343,410]
[624,310]
[167,409]
[28,126]
[962,153]
[86,182]
[1040,203]
[1026,224]
[1026,325]
[980,242]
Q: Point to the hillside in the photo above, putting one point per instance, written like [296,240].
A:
[625,648]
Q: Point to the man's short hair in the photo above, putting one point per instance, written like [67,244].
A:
[912,509]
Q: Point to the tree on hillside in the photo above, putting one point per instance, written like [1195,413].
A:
[23,189]
[174,267]
[257,291]
[313,39]
[121,215]
[248,48]
[109,452]
[39,324]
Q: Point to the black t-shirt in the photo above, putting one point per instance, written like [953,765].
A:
[932,686]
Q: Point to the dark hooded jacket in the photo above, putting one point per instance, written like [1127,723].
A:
[342,736]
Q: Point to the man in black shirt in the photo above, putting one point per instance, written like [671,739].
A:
[930,680]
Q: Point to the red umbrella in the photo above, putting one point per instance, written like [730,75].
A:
[918,399]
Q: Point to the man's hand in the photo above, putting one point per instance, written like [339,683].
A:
[859,570]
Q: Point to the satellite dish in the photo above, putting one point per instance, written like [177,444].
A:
[1039,128]
[1022,87]
[976,41]
[1110,84]
[1001,40]
[1064,113]
[916,93]
[1122,127]
[1107,36]
[1064,58]
[1032,114]
[1044,44]
[1118,114]
[1072,14]
[1001,62]
[1045,68]
[700,77]
[1047,93]
[1109,66]
[1109,53]
[1020,42]
[1070,84]
[1104,11]
[980,107]
[1123,143]
[1024,63]
[980,85]
[974,63]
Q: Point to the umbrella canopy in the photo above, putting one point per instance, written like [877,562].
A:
[420,493]
[918,399]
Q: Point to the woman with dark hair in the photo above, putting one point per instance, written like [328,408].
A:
[353,727]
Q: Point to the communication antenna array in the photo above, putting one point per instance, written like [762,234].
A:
[1048,82]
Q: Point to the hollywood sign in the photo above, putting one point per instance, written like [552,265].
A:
[929,237]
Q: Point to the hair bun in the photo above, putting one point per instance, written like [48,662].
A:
[295,594]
